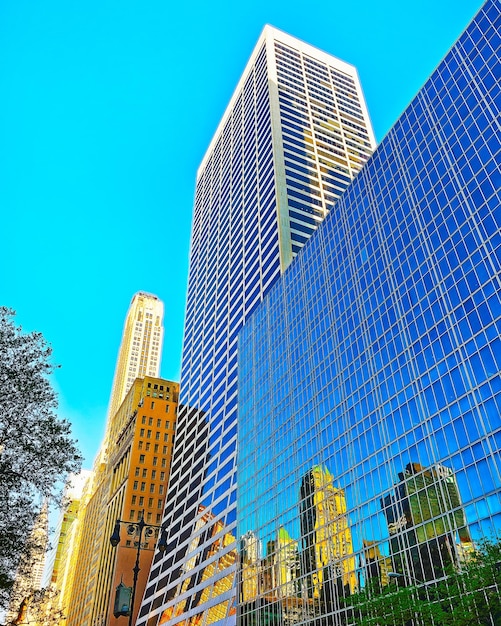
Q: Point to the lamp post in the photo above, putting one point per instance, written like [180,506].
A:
[136,529]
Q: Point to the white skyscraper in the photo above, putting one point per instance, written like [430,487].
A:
[141,347]
[294,135]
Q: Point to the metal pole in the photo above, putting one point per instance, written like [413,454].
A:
[136,569]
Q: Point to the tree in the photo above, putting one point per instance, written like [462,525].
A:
[468,595]
[36,448]
[40,608]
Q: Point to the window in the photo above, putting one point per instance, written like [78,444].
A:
[155,460]
[157,435]
[166,437]
[148,434]
[136,473]
[141,500]
[164,450]
[147,446]
[159,518]
[141,458]
[162,476]
[160,489]
[150,502]
[153,474]
[150,421]
[143,419]
[148,517]
[132,514]
[164,462]
[159,423]
[159,503]
[143,486]
[141,432]
[167,410]
[145,473]
[155,448]
[152,488]
[133,501]
[153,405]
[140,445]
[135,485]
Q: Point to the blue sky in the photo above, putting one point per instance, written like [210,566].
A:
[106,110]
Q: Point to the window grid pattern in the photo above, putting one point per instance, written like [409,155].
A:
[325,136]
[235,258]
[370,389]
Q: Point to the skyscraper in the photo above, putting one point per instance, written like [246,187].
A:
[295,133]
[61,561]
[140,350]
[378,355]
[108,491]
[132,484]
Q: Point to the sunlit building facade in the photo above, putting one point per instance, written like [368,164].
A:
[140,350]
[60,568]
[107,491]
[132,484]
[295,133]
[377,357]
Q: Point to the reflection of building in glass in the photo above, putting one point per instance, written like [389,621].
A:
[270,586]
[250,567]
[327,557]
[281,567]
[426,522]
[377,566]
[292,138]
[217,558]
[381,343]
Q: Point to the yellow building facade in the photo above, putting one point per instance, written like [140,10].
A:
[129,480]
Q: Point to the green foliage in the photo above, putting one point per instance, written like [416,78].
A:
[467,596]
[36,449]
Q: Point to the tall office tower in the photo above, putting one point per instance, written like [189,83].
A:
[294,134]
[60,568]
[378,355]
[141,347]
[132,485]
[137,365]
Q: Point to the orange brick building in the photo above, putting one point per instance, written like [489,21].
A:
[132,477]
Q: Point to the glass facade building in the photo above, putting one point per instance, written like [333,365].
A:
[295,133]
[369,377]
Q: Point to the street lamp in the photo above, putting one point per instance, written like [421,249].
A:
[136,529]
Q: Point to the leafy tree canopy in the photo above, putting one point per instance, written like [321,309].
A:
[36,448]
[468,595]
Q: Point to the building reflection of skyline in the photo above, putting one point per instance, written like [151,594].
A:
[206,527]
[310,577]
[298,580]
[426,523]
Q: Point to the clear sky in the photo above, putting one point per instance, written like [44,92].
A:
[106,110]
